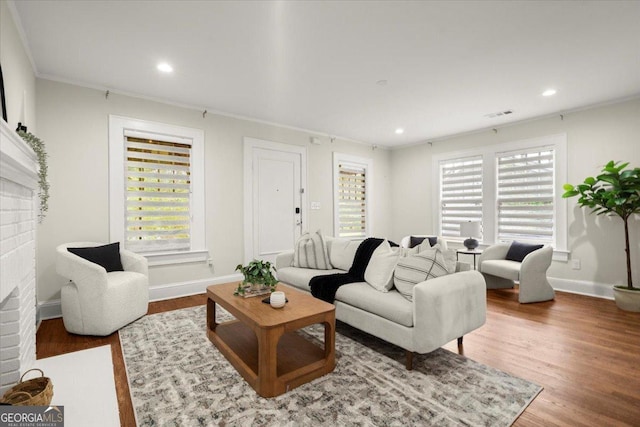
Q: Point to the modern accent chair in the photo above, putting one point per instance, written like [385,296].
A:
[95,302]
[531,273]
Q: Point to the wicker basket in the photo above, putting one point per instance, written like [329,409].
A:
[33,392]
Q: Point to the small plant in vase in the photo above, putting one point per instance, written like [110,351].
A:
[258,278]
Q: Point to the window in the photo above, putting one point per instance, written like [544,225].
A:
[156,200]
[510,188]
[352,196]
[158,194]
[461,193]
[526,195]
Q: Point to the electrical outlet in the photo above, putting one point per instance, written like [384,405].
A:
[575,264]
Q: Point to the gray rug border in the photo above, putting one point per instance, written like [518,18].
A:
[135,414]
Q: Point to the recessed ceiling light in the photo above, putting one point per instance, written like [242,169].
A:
[549,92]
[399,131]
[164,67]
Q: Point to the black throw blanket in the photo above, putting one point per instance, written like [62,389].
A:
[325,287]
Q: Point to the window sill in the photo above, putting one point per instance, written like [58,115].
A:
[168,258]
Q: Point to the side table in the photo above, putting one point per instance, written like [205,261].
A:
[475,253]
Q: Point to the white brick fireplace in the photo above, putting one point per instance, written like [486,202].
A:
[18,203]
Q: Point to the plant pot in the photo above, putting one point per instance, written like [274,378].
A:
[626,299]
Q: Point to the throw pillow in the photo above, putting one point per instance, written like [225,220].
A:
[415,241]
[518,251]
[379,272]
[449,256]
[311,252]
[417,268]
[342,253]
[107,256]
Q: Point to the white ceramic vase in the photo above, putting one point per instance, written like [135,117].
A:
[277,299]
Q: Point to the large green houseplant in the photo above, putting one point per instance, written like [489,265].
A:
[616,191]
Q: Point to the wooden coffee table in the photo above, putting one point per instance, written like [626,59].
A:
[262,343]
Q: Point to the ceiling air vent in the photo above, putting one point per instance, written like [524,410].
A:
[498,114]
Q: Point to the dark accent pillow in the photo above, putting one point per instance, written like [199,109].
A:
[107,256]
[393,244]
[517,251]
[415,241]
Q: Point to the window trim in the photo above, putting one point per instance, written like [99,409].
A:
[489,178]
[117,218]
[367,163]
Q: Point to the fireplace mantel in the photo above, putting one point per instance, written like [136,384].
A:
[18,164]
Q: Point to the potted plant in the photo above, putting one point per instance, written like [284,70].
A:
[258,278]
[616,191]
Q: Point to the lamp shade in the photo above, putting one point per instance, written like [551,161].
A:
[470,229]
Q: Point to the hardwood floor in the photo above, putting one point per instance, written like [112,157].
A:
[584,351]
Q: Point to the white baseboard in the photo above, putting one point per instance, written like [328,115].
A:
[52,309]
[582,287]
[184,289]
[49,310]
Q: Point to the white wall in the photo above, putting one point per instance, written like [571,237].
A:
[594,137]
[73,123]
[19,78]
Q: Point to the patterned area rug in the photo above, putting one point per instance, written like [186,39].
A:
[178,378]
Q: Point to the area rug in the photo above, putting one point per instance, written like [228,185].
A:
[178,378]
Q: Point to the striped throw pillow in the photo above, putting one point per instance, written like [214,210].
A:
[311,252]
[417,268]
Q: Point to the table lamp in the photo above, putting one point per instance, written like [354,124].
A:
[471,229]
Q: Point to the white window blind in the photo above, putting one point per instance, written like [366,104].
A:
[158,195]
[526,195]
[460,193]
[352,200]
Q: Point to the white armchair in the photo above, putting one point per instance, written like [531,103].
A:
[95,302]
[531,273]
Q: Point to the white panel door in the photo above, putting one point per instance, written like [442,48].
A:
[276,201]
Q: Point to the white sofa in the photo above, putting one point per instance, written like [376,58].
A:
[443,309]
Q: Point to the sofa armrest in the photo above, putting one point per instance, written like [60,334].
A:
[132,261]
[537,261]
[498,251]
[78,269]
[448,307]
[284,259]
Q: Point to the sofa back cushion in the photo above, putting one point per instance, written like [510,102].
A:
[417,268]
[342,252]
[311,252]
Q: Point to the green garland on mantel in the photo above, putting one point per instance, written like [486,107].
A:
[37,145]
